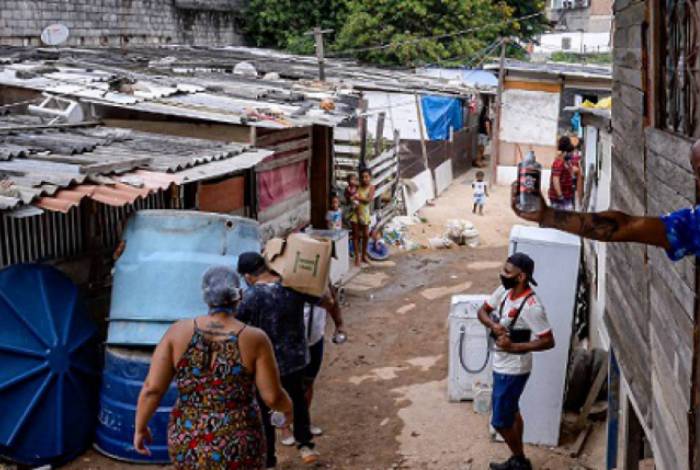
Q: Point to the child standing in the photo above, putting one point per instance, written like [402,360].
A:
[481,192]
[334,216]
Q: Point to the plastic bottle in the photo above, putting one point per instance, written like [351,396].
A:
[529,179]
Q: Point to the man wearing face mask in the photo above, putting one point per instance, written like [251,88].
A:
[518,322]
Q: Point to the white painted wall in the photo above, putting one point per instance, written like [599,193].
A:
[401,114]
[579,43]
[599,153]
[418,191]
[530,117]
[443,176]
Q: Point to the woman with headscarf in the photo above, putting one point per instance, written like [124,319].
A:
[217,363]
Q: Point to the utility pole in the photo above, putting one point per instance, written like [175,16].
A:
[318,33]
[496,131]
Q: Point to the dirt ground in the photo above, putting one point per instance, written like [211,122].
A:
[381,397]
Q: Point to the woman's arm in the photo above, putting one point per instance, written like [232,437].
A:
[155,386]
[556,182]
[267,378]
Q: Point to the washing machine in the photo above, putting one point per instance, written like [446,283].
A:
[469,356]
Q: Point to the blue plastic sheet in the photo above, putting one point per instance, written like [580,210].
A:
[440,113]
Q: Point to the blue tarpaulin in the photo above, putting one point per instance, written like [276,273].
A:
[440,113]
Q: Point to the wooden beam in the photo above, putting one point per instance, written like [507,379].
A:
[321,174]
[379,134]
[633,439]
[362,123]
[533,86]
[280,162]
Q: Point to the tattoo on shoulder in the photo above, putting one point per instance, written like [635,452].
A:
[216,325]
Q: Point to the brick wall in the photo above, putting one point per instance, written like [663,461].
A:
[122,22]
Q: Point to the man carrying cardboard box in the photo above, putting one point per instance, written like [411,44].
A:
[279,311]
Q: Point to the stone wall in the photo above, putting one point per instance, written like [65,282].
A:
[123,22]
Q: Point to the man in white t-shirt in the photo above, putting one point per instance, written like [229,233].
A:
[517,320]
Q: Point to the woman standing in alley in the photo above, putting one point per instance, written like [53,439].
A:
[216,362]
[361,218]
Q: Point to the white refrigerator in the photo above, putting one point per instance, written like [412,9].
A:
[557,258]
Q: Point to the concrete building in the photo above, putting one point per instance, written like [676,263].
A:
[580,26]
[123,22]
[534,112]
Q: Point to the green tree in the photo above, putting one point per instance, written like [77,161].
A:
[281,24]
[416,32]
[532,26]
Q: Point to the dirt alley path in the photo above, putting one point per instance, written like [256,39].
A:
[381,397]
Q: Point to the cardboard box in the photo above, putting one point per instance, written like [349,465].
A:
[302,261]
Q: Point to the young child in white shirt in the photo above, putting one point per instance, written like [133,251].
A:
[481,192]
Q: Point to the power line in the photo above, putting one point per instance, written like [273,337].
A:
[439,36]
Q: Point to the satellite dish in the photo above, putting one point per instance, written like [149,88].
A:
[55,34]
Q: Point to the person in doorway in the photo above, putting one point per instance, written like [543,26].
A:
[678,232]
[217,363]
[481,192]
[578,173]
[517,319]
[334,216]
[361,219]
[279,312]
[561,186]
[484,136]
[315,322]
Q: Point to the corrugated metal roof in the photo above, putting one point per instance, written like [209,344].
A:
[99,85]
[554,68]
[114,166]
[112,192]
[231,165]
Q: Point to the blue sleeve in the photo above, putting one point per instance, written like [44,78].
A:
[683,233]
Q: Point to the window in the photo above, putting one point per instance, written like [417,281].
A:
[679,48]
[557,4]
[566,44]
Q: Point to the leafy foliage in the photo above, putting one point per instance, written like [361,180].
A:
[575,58]
[395,32]
[282,23]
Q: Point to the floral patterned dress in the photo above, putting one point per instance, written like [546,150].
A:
[216,422]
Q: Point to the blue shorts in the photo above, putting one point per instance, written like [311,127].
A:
[480,199]
[506,397]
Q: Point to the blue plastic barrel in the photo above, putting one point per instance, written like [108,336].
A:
[49,365]
[158,278]
[124,373]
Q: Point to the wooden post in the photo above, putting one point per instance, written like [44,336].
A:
[496,132]
[318,39]
[423,147]
[632,438]
[379,134]
[362,124]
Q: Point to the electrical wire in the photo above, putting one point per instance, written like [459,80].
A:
[345,52]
